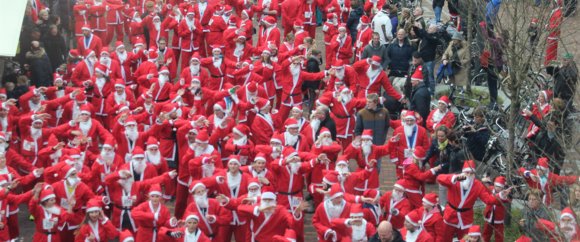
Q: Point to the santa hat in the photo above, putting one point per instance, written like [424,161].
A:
[335,191]
[261,103]
[169,107]
[152,142]
[268,195]
[2,136]
[298,23]
[419,153]
[330,178]
[342,159]
[365,20]
[153,55]
[202,137]
[37,121]
[524,238]
[130,120]
[85,109]
[216,48]
[371,193]
[234,159]
[547,94]
[139,42]
[410,115]
[46,194]
[195,185]
[75,153]
[289,152]
[94,205]
[221,105]
[233,20]
[195,56]
[330,16]
[445,100]
[376,60]
[81,97]
[543,164]
[568,212]
[474,231]
[277,138]
[155,190]
[73,53]
[337,64]
[156,17]
[91,53]
[469,166]
[418,74]
[260,156]
[119,44]
[413,218]
[253,182]
[367,134]
[241,130]
[56,77]
[126,236]
[400,184]
[297,107]
[227,9]
[190,10]
[86,27]
[270,20]
[164,70]
[356,210]
[119,83]
[252,87]
[3,179]
[138,152]
[342,26]
[266,50]
[109,142]
[324,130]
[291,123]
[430,198]
[499,181]
[191,216]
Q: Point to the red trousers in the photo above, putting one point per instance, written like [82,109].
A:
[490,229]
[111,30]
[181,197]
[450,231]
[278,98]
[329,56]
[13,225]
[344,142]
[238,231]
[185,58]
[311,29]
[416,199]
[551,50]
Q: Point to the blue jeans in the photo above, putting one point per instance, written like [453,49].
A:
[438,11]
[429,71]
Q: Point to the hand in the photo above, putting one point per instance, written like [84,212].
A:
[138,110]
[356,142]
[43,116]
[331,235]
[221,179]
[264,180]
[301,207]
[368,200]
[321,191]
[172,174]
[10,102]
[125,174]
[437,168]
[176,234]
[486,180]
[37,188]
[332,71]
[180,92]
[460,177]
[210,218]
[522,222]
[91,237]
[445,62]
[60,145]
[527,112]
[396,138]
[535,178]
[372,163]
[41,89]
[404,101]
[15,183]
[221,198]
[247,200]
[101,215]
[394,211]
[38,171]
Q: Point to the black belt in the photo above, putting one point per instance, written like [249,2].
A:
[461,210]
[292,95]
[342,117]
[123,208]
[49,233]
[289,193]
[216,76]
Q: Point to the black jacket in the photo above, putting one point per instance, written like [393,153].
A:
[40,68]
[565,80]
[57,51]
[400,57]
[477,141]
[455,160]
[420,101]
[353,21]
[438,3]
[427,45]
[380,51]
[442,156]
[397,237]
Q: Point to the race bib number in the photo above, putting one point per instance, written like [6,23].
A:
[408,153]
[295,201]
[127,201]
[64,204]
[28,146]
[243,160]
[47,224]
[307,14]
[128,157]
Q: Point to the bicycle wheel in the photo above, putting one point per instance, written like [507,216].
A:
[479,80]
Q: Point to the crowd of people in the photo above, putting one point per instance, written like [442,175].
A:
[177,102]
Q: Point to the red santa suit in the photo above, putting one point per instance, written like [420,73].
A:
[81,17]
[218,68]
[290,10]
[308,17]
[101,88]
[553,27]
[372,7]
[197,235]
[458,214]
[269,33]
[93,129]
[83,71]
[216,26]
[86,44]
[125,60]
[540,111]
[419,234]
[370,81]
[115,20]
[341,46]
[561,231]
[343,110]
[326,212]
[9,204]
[432,221]
[203,12]
[350,232]
[363,37]
[261,223]
[156,29]
[150,219]
[376,152]
[101,230]
[395,209]
[330,29]
[163,87]
[416,178]
[212,215]
[437,118]
[291,78]
[33,140]
[409,138]
[494,214]
[344,75]
[49,221]
[98,21]
[545,184]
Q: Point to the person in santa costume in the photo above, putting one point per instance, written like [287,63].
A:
[540,109]
[431,219]
[125,60]
[150,216]
[395,205]
[268,32]
[324,145]
[330,30]
[268,219]
[216,26]
[189,232]
[411,136]
[413,230]
[96,226]
[265,123]
[259,171]
[299,33]
[89,42]
[494,214]
[147,69]
[441,116]
[192,71]
[153,156]
[190,30]
[363,36]
[211,212]
[289,11]
[84,69]
[9,203]
[363,151]
[161,86]
[292,137]
[341,45]
[473,235]
[106,163]
[99,87]
[334,207]
[115,20]
[553,27]
[49,217]
[307,14]
[343,105]
[80,15]
[565,229]
[128,136]
[463,191]
[122,95]
[541,178]
[217,67]
[238,49]
[372,77]
[354,228]
[112,67]
[240,145]
[98,21]
[416,178]
[91,128]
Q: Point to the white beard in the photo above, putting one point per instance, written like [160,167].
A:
[105,61]
[295,70]
[239,50]
[85,126]
[241,141]
[466,184]
[314,124]
[396,196]
[155,159]
[341,170]
[127,184]
[569,231]
[100,82]
[119,99]
[207,170]
[162,80]
[194,70]
[371,74]
[437,116]
[366,148]
[217,62]
[122,56]
[189,23]
[3,147]
[294,167]
[289,139]
[254,194]
[108,157]
[139,167]
[53,210]
[157,26]
[326,141]
[201,201]
[264,204]
[132,134]
[409,129]
[35,133]
[334,211]
[359,232]
[340,74]
[345,98]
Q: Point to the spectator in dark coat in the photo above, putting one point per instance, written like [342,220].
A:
[57,51]
[394,18]
[374,117]
[354,18]
[547,142]
[313,66]
[565,79]
[420,99]
[386,233]
[400,53]
[323,114]
[451,162]
[439,150]
[427,44]
[477,134]
[375,48]
[41,70]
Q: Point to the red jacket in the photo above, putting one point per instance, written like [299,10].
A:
[115,12]
[432,223]
[402,206]
[321,222]
[377,152]
[82,194]
[448,120]
[495,212]
[190,38]
[222,216]
[148,223]
[368,85]
[421,139]
[263,229]
[94,44]
[292,91]
[40,214]
[97,17]
[422,237]
[105,232]
[552,180]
